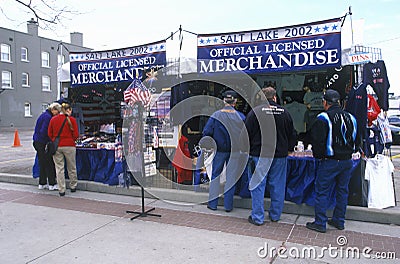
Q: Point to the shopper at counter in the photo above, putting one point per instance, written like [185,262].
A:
[334,137]
[47,173]
[224,126]
[268,154]
[66,148]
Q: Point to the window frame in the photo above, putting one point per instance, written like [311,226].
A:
[26,59]
[25,84]
[5,53]
[9,80]
[45,106]
[43,83]
[27,109]
[45,59]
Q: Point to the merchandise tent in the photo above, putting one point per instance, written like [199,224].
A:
[144,107]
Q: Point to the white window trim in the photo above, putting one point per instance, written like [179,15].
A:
[49,90]
[30,109]
[48,55]
[9,53]
[11,83]
[26,85]
[27,56]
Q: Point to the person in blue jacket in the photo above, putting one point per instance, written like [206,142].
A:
[224,127]
[47,176]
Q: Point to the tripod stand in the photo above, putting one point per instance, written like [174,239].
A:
[144,212]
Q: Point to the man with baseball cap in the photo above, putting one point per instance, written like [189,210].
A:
[224,127]
[334,137]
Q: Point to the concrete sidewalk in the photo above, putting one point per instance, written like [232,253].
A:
[92,226]
[38,226]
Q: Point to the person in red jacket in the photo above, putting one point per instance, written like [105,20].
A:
[66,148]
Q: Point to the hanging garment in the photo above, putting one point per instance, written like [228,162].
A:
[373,145]
[375,75]
[373,109]
[378,173]
[385,131]
[297,112]
[182,161]
[357,106]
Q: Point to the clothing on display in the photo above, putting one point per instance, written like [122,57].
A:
[314,100]
[373,109]
[292,82]
[375,75]
[290,96]
[182,161]
[357,105]
[297,112]
[378,173]
[372,145]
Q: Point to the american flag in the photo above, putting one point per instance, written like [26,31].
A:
[137,92]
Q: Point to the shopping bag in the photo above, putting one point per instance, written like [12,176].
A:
[52,146]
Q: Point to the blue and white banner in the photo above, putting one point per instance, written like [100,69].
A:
[301,47]
[103,67]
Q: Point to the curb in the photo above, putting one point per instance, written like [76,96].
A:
[357,213]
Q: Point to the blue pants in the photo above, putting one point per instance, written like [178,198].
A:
[272,172]
[234,167]
[332,172]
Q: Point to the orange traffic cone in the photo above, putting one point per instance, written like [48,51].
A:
[17,143]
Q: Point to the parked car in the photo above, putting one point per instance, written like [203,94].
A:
[394,122]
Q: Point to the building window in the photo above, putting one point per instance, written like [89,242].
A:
[61,59]
[28,109]
[44,106]
[46,83]
[24,54]
[5,53]
[45,59]
[6,80]
[25,79]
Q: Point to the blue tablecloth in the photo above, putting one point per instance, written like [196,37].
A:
[97,165]
[301,173]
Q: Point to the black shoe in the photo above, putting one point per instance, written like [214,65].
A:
[228,211]
[61,194]
[274,221]
[313,226]
[213,209]
[335,224]
[73,190]
[251,221]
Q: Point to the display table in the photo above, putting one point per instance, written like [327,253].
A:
[301,173]
[97,165]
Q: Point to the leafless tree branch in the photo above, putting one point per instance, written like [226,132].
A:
[47,13]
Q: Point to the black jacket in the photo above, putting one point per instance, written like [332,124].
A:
[334,134]
[270,131]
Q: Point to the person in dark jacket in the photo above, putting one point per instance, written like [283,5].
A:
[224,127]
[335,139]
[40,138]
[271,136]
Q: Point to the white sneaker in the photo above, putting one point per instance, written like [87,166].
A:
[42,187]
[53,187]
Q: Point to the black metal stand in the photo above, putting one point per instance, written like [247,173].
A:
[144,212]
